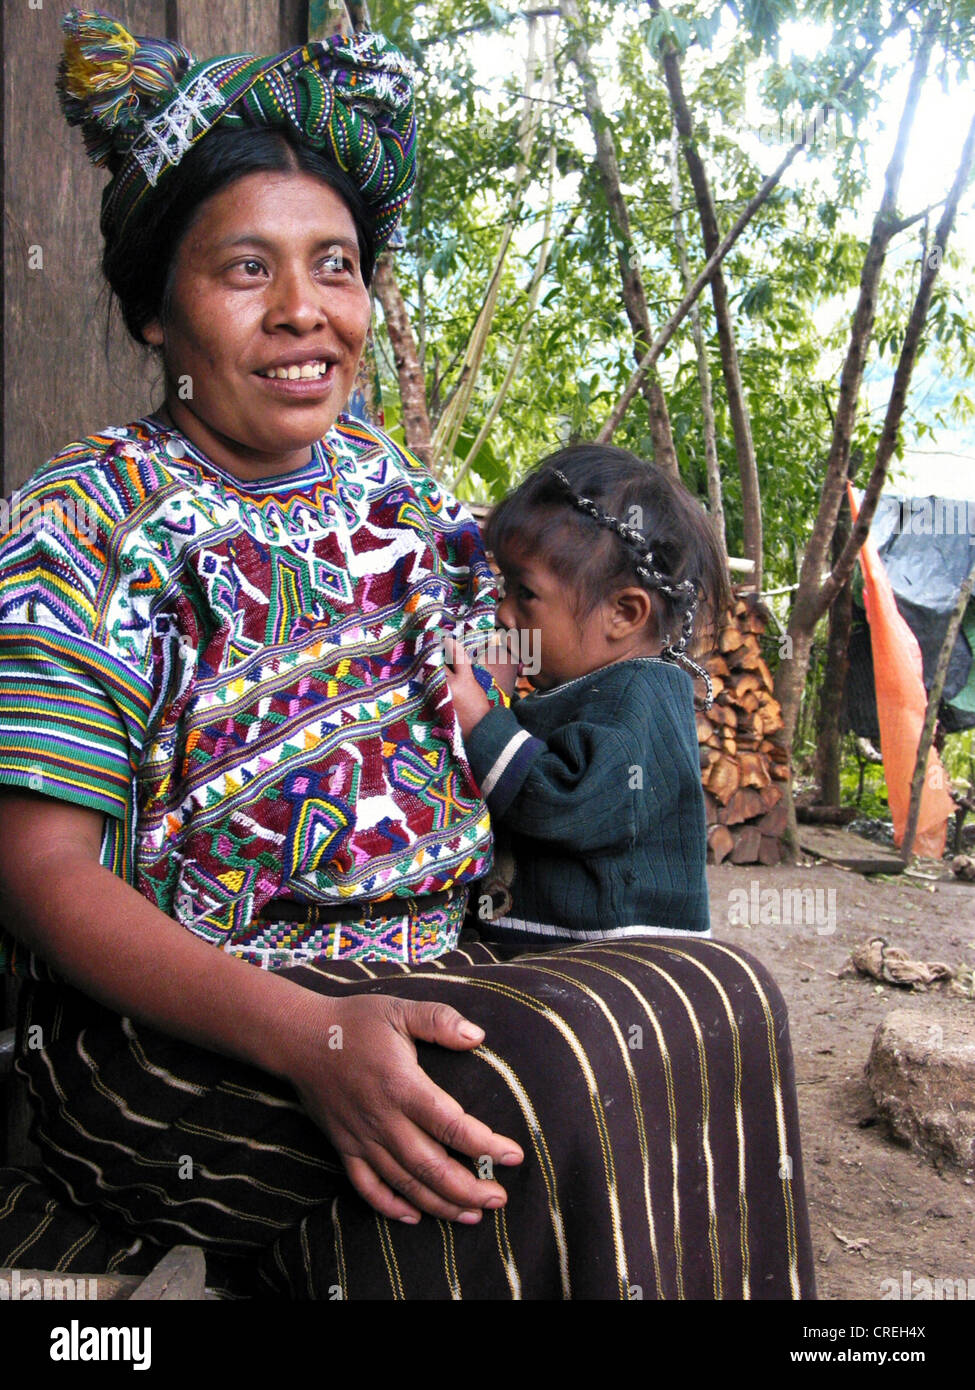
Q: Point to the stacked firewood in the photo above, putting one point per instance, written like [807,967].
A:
[743,770]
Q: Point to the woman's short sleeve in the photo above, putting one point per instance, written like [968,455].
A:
[73,705]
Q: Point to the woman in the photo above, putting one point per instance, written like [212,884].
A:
[225,723]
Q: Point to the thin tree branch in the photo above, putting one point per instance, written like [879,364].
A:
[751,207]
[534,290]
[902,376]
[715,498]
[902,223]
[734,388]
[439,377]
[809,604]
[634,292]
[484,24]
[452,417]
[683,309]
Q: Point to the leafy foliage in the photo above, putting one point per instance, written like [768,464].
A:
[791,276]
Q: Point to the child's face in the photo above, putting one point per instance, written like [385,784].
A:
[538,601]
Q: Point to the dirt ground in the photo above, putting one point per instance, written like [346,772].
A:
[876,1208]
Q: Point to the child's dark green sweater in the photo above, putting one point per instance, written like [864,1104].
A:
[596,788]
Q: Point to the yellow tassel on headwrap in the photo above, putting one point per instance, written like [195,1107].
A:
[89,56]
[110,81]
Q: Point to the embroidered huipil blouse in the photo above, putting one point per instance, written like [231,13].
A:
[247,679]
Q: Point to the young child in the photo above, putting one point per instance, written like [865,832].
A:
[594,781]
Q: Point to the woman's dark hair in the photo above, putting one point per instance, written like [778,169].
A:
[138,263]
[539,519]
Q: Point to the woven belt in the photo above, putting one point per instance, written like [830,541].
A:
[314,914]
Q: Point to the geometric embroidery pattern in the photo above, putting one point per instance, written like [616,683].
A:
[248,679]
[166,138]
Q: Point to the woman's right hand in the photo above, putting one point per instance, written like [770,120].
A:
[390,1124]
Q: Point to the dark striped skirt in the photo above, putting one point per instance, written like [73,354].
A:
[649,1082]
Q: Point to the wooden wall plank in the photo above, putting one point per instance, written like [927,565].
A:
[58,384]
[61,380]
[212,27]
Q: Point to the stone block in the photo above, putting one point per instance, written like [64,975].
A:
[921,1071]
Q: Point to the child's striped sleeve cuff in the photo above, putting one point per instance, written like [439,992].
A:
[501,755]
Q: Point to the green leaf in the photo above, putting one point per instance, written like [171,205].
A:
[758,298]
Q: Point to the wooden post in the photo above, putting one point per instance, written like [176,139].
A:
[931,716]
[294,22]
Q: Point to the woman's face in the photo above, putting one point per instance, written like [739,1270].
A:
[265,324]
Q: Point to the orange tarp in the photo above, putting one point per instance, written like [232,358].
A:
[901,705]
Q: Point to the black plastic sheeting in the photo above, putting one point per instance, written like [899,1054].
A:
[927,545]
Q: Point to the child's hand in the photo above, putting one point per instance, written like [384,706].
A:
[470,701]
[504,671]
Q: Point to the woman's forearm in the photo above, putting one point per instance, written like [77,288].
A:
[386,1119]
[103,936]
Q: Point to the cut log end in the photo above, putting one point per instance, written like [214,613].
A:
[720,843]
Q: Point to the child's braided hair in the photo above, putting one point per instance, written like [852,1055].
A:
[667,540]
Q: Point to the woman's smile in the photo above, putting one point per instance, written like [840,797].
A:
[264,322]
[312,370]
[300,380]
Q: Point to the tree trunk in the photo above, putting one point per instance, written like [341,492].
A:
[634,294]
[715,495]
[744,447]
[812,598]
[751,499]
[897,403]
[790,678]
[809,606]
[359,14]
[412,386]
[829,732]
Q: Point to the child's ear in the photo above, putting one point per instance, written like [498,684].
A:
[632,611]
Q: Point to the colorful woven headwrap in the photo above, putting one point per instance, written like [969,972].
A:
[142,103]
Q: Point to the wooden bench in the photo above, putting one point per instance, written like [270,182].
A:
[180,1276]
